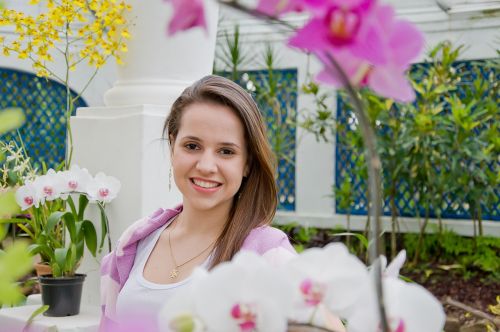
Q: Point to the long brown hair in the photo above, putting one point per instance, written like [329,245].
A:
[255,203]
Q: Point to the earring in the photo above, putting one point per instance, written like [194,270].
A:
[170,178]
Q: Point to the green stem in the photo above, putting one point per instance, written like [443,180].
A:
[69,103]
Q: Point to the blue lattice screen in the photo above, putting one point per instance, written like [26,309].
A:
[280,122]
[347,157]
[43,102]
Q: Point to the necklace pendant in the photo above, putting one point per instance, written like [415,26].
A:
[174,273]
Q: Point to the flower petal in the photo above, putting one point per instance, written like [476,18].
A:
[391,82]
[186,15]
[406,43]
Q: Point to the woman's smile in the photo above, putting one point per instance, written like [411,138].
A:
[205,185]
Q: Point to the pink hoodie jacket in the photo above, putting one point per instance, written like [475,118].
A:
[267,241]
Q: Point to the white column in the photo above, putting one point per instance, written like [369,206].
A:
[124,138]
[158,67]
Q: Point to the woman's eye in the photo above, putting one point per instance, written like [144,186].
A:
[191,146]
[226,151]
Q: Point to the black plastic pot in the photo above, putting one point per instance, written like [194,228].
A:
[63,294]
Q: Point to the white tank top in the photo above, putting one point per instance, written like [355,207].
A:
[142,298]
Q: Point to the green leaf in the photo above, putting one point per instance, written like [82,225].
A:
[71,259]
[10,119]
[104,225]
[35,313]
[60,255]
[15,262]
[360,237]
[82,205]
[90,236]
[8,205]
[71,205]
[52,221]
[69,221]
[3,231]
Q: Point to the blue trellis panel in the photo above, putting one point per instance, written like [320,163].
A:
[43,102]
[347,157]
[280,122]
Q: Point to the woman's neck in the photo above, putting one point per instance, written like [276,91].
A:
[196,222]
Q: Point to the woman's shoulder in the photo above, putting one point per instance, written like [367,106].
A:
[265,238]
[143,227]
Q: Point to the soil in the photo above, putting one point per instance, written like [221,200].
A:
[477,291]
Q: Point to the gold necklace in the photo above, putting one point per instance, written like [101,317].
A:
[175,271]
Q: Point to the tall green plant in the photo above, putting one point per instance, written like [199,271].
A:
[441,147]
[232,55]
[282,116]
[472,134]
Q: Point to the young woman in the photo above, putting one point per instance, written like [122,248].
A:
[223,165]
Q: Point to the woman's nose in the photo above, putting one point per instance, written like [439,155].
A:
[207,163]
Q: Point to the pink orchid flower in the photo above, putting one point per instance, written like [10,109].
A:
[26,196]
[373,47]
[337,24]
[278,7]
[186,15]
[103,188]
[75,180]
[388,81]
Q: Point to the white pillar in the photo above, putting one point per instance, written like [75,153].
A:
[123,139]
[157,67]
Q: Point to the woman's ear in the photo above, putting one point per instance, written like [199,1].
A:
[246,170]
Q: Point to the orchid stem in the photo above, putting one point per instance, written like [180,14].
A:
[374,185]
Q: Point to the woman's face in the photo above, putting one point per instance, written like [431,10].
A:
[209,156]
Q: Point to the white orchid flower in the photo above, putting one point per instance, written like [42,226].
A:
[48,186]
[179,313]
[103,188]
[392,271]
[244,295]
[26,196]
[409,307]
[326,280]
[75,179]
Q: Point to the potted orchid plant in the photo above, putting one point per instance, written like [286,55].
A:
[61,232]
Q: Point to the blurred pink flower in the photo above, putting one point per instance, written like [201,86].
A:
[386,80]
[278,7]
[371,45]
[337,24]
[186,15]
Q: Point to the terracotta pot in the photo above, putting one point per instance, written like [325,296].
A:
[42,269]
